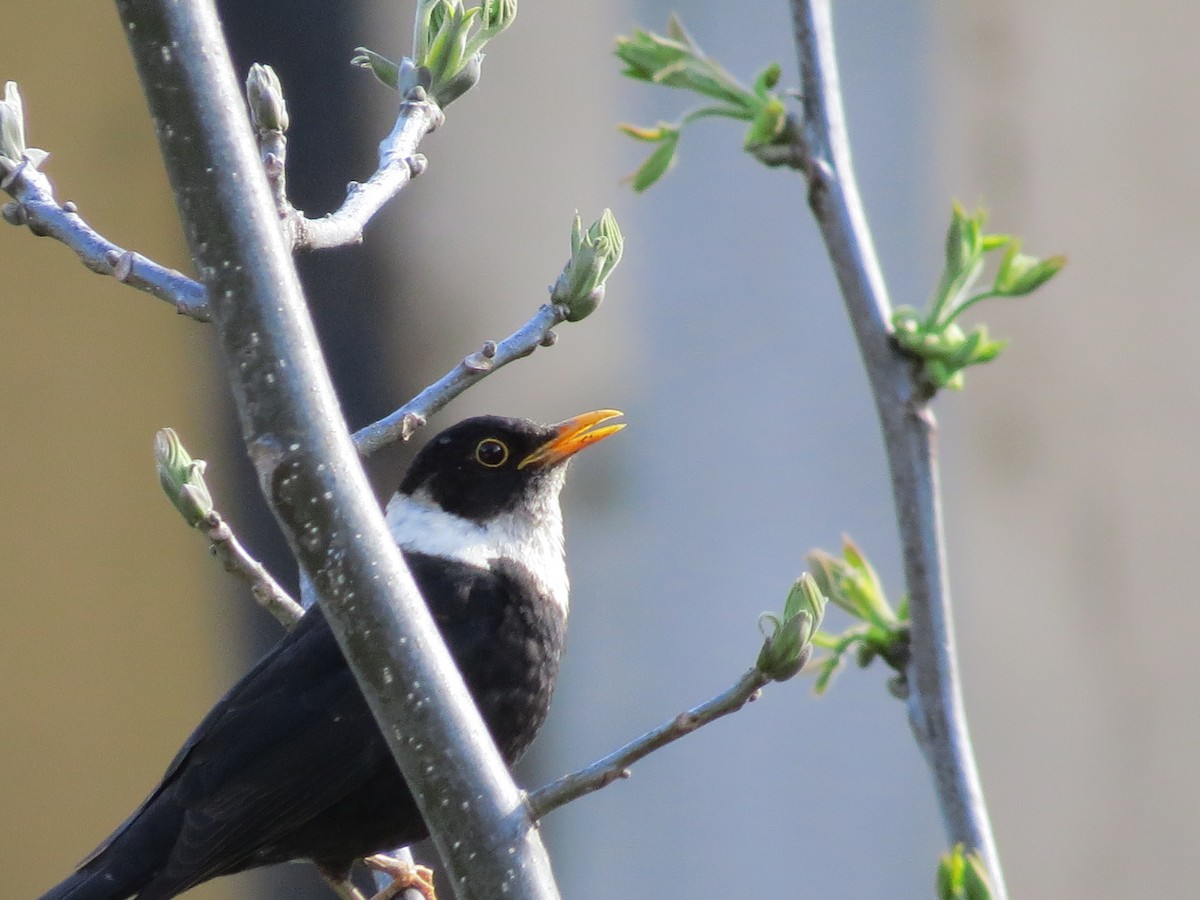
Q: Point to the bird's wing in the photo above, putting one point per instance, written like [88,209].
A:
[235,817]
[297,713]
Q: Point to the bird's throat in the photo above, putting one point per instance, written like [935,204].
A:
[531,537]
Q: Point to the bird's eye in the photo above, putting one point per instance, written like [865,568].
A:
[491,453]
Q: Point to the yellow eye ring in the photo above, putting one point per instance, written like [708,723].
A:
[491,453]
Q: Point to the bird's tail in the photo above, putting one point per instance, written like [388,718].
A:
[125,862]
[92,884]
[119,868]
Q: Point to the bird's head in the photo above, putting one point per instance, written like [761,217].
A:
[487,489]
[490,466]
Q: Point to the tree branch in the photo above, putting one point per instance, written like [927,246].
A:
[604,772]
[307,466]
[935,705]
[36,208]
[266,590]
[399,163]
[400,425]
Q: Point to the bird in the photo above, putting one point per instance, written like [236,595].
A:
[289,764]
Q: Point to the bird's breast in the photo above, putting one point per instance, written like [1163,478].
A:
[506,635]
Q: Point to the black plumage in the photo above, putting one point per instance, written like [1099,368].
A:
[290,763]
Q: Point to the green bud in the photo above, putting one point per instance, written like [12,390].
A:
[1020,274]
[949,874]
[786,645]
[181,477]
[963,876]
[448,41]
[579,278]
[264,96]
[594,254]
[906,321]
[12,124]
[766,126]
[767,79]
[977,884]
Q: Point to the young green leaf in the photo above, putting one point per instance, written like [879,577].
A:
[657,164]
[381,67]
[1020,274]
[264,97]
[676,60]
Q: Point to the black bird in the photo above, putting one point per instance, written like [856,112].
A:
[290,764]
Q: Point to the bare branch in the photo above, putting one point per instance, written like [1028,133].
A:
[399,163]
[616,765]
[36,208]
[266,590]
[400,425]
[935,705]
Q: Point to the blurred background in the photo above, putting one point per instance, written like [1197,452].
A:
[752,436]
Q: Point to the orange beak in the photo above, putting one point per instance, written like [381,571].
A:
[572,436]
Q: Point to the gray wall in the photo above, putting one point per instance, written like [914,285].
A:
[1073,466]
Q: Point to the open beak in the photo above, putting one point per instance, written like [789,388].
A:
[573,435]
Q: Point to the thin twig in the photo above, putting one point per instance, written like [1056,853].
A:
[400,425]
[266,590]
[935,705]
[399,163]
[616,765]
[36,208]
